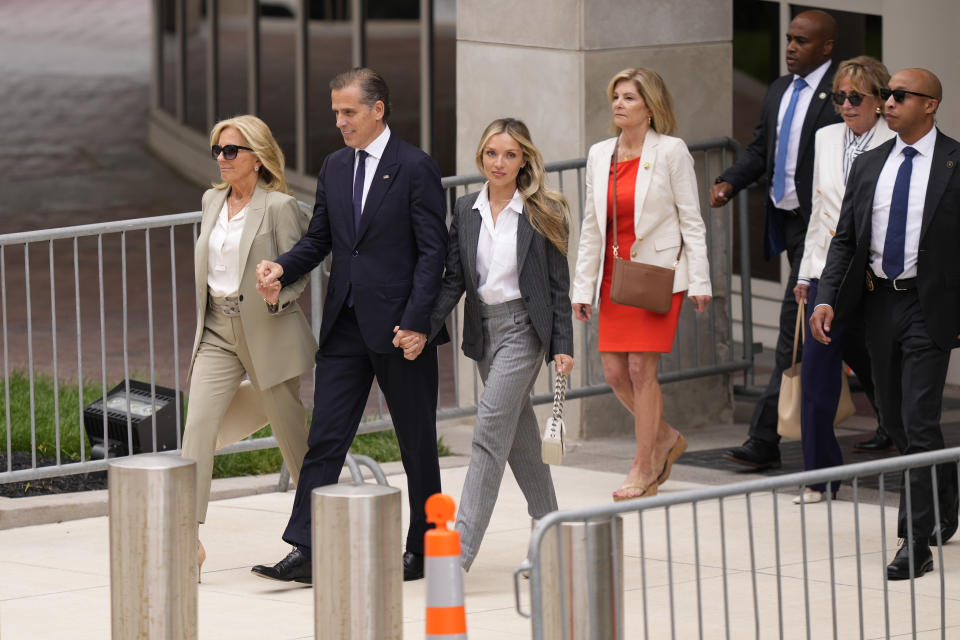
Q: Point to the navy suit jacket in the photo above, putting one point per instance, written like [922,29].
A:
[938,270]
[757,158]
[393,262]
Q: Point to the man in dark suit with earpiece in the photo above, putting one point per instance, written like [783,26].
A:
[894,258]
[795,107]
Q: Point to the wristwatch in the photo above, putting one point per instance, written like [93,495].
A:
[273,307]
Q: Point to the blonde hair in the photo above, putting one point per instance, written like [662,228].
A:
[654,93]
[258,136]
[867,76]
[547,209]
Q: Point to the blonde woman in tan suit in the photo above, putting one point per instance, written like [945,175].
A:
[247,218]
[658,218]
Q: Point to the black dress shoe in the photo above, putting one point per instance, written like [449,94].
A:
[296,567]
[947,529]
[899,569]
[755,453]
[877,443]
[412,566]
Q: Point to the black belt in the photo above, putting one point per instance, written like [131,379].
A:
[902,284]
[790,212]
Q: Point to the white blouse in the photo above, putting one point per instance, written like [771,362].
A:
[223,253]
[498,278]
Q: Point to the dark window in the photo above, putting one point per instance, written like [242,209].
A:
[168,56]
[278,95]
[393,49]
[330,46]
[444,108]
[197,35]
[233,56]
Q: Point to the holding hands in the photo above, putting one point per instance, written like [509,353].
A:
[268,272]
[412,342]
[268,281]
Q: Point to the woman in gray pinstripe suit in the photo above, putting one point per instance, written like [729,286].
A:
[507,253]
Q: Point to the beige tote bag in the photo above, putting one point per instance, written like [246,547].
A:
[791,395]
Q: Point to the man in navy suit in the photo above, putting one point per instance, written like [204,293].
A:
[894,257]
[794,108]
[380,212]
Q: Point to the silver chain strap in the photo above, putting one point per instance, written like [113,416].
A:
[559,393]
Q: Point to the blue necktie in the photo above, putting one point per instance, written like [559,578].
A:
[893,244]
[358,179]
[783,141]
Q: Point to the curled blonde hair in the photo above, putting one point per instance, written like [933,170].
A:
[548,210]
[654,93]
[259,137]
[867,76]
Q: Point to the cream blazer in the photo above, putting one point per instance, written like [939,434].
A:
[666,208]
[281,344]
[828,191]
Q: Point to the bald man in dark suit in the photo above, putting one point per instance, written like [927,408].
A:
[894,257]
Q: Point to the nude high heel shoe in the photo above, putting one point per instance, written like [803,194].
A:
[201,556]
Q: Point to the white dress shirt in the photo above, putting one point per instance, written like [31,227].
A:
[374,153]
[223,253]
[790,200]
[919,177]
[498,278]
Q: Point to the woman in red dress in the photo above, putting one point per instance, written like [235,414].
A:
[658,218]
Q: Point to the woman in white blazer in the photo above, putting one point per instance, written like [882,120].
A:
[658,215]
[247,218]
[856,92]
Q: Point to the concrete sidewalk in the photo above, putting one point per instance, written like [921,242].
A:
[56,576]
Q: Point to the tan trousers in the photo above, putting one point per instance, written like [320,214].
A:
[224,408]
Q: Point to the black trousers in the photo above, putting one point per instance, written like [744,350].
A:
[345,372]
[909,371]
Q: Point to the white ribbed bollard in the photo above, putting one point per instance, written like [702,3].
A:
[357,562]
[582,579]
[153,548]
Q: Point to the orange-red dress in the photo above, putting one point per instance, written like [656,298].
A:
[624,328]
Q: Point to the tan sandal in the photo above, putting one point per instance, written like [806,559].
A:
[675,452]
[633,490]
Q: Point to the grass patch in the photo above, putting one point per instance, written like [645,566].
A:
[381,446]
[71,429]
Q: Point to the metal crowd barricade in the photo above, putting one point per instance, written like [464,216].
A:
[798,571]
[123,292]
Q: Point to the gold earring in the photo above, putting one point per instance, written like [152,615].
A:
[649,119]
[879,111]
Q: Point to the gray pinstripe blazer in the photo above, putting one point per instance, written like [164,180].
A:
[544,283]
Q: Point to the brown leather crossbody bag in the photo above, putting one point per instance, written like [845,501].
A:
[637,284]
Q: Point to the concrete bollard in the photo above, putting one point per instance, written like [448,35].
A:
[153,547]
[357,566]
[582,577]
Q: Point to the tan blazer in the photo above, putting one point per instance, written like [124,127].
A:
[281,345]
[666,208]
[828,189]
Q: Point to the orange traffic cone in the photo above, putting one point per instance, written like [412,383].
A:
[446,614]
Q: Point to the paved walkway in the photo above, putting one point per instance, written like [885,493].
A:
[56,576]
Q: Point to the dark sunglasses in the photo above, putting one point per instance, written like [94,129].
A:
[900,94]
[855,98]
[229,151]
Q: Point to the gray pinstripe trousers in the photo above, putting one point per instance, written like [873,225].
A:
[506,429]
